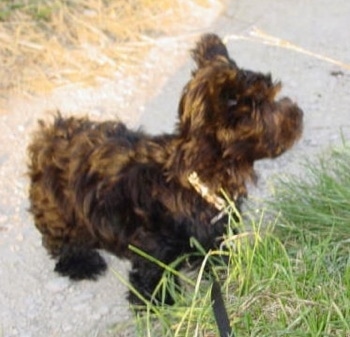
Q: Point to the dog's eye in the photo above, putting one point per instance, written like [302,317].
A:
[228,97]
[231,103]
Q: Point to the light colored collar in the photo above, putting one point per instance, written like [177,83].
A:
[204,191]
[211,197]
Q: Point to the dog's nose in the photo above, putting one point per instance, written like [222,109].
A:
[288,105]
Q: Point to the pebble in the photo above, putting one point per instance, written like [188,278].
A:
[58,284]
[83,297]
[20,128]
[67,328]
[3,219]
[101,311]
[79,307]
[19,237]
[14,248]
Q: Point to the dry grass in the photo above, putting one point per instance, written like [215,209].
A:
[47,43]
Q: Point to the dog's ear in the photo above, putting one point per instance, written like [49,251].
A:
[205,98]
[192,108]
[209,48]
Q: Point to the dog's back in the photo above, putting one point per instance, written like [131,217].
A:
[57,153]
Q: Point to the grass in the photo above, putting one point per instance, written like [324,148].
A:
[290,282]
[47,43]
[320,200]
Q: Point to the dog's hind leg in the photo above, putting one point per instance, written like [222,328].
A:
[80,263]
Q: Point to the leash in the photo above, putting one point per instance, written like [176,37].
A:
[220,311]
[218,305]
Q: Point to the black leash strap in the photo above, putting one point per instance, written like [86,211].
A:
[220,312]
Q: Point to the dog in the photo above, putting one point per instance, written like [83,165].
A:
[99,185]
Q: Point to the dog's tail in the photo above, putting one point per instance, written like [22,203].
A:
[209,48]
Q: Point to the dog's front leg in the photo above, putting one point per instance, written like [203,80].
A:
[144,277]
[146,273]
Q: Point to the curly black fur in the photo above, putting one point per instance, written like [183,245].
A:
[103,186]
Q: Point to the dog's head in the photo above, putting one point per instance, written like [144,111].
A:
[236,109]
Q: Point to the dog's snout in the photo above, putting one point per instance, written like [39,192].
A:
[288,105]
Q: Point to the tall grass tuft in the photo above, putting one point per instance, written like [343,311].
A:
[320,200]
[269,290]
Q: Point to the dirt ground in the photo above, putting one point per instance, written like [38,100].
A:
[310,55]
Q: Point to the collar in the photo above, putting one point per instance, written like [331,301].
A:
[211,197]
[204,191]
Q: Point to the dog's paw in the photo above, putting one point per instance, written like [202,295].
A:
[79,264]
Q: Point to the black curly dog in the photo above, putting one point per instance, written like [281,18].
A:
[102,186]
